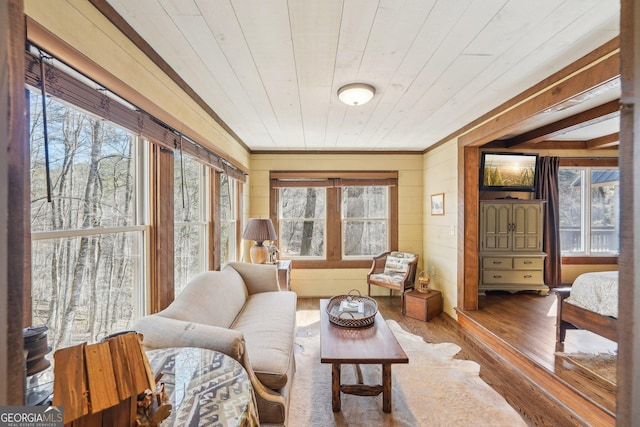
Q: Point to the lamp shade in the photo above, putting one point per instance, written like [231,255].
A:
[356,93]
[259,229]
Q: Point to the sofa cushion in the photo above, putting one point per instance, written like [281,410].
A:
[213,298]
[268,323]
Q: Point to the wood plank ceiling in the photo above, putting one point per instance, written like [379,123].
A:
[270,69]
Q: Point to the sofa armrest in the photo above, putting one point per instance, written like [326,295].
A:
[257,277]
[164,332]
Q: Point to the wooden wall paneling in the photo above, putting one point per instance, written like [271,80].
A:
[162,283]
[628,403]
[14,218]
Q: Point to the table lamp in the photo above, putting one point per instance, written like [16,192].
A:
[259,230]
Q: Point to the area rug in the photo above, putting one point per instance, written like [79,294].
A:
[433,389]
[602,365]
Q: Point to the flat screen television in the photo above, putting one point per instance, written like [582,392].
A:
[508,172]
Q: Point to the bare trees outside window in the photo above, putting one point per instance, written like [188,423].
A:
[365,213]
[333,217]
[88,242]
[191,213]
[302,222]
[229,213]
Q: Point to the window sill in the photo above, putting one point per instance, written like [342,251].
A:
[330,264]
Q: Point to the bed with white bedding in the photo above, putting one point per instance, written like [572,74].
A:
[591,303]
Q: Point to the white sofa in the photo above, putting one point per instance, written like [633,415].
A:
[241,312]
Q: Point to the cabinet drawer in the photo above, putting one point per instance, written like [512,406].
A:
[527,263]
[517,277]
[497,263]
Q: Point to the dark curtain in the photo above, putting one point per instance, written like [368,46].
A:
[547,189]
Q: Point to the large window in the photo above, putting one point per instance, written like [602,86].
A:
[191,216]
[89,239]
[589,211]
[334,218]
[302,222]
[365,217]
[94,240]
[229,214]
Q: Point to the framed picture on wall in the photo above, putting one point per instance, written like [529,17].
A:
[437,204]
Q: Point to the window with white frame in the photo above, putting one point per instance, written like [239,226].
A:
[191,216]
[229,212]
[89,239]
[589,211]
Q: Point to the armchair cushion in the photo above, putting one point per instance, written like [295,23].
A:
[388,278]
[397,263]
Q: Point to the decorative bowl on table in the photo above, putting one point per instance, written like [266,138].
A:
[352,310]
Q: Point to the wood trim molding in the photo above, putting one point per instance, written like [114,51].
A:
[333,221]
[468,236]
[15,248]
[121,24]
[628,398]
[163,226]
[587,79]
[592,116]
[589,260]
[215,261]
[43,38]
[611,46]
[589,161]
[595,69]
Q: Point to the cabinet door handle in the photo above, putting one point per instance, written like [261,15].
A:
[497,277]
[528,262]
[497,262]
[528,276]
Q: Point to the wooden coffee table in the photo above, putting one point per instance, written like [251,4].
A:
[369,345]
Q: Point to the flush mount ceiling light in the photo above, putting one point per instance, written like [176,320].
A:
[356,93]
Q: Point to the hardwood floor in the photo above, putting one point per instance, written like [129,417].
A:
[523,328]
[526,323]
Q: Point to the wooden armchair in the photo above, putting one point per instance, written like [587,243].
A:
[393,270]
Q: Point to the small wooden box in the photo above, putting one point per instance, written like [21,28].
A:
[423,305]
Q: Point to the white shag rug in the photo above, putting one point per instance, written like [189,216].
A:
[433,389]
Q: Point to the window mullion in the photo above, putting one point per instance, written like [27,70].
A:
[587,211]
[334,224]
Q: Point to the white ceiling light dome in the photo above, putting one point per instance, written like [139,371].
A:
[356,93]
